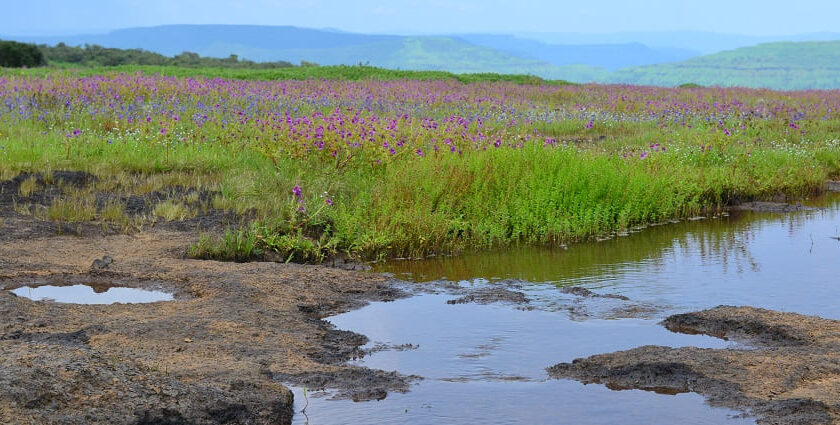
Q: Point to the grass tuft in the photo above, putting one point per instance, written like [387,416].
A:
[72,209]
[28,187]
[171,210]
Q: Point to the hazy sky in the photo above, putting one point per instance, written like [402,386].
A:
[757,17]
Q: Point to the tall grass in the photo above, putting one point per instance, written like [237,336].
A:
[445,203]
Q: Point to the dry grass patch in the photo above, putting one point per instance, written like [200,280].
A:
[172,210]
[72,209]
[113,211]
[28,187]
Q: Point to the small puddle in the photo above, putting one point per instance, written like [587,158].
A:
[84,294]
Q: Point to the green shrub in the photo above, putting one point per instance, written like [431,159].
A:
[19,55]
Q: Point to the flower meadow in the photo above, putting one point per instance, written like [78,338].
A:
[407,168]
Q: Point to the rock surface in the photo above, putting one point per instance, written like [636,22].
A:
[790,375]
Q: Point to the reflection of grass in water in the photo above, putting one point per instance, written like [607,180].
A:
[724,239]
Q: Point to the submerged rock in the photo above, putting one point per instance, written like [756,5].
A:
[776,207]
[789,376]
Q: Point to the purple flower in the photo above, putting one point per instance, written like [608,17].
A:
[419,152]
[298,193]
[329,202]
[643,155]
[163,131]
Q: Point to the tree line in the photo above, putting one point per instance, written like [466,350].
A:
[17,55]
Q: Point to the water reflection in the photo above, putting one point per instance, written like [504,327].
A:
[485,363]
[93,294]
[762,259]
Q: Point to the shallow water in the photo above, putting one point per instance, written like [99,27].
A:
[84,294]
[486,363]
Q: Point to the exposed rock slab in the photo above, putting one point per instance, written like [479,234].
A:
[790,375]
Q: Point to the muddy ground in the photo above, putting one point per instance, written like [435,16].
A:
[218,354]
[789,373]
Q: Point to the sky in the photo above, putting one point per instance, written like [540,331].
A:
[751,17]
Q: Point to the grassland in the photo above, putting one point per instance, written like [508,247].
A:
[334,73]
[377,167]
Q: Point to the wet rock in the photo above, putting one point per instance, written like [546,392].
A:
[356,383]
[583,292]
[775,207]
[832,186]
[494,294]
[789,377]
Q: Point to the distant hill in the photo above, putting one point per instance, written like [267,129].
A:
[608,56]
[699,41]
[787,66]
[327,47]
[602,58]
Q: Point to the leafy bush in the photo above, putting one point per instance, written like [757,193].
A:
[19,55]
[95,55]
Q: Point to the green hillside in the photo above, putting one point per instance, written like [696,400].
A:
[294,45]
[416,53]
[785,66]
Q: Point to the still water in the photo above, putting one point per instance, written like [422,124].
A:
[486,363]
[84,294]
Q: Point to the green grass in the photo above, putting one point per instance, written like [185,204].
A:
[414,206]
[432,204]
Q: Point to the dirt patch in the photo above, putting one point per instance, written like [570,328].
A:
[791,375]
[25,203]
[219,353]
